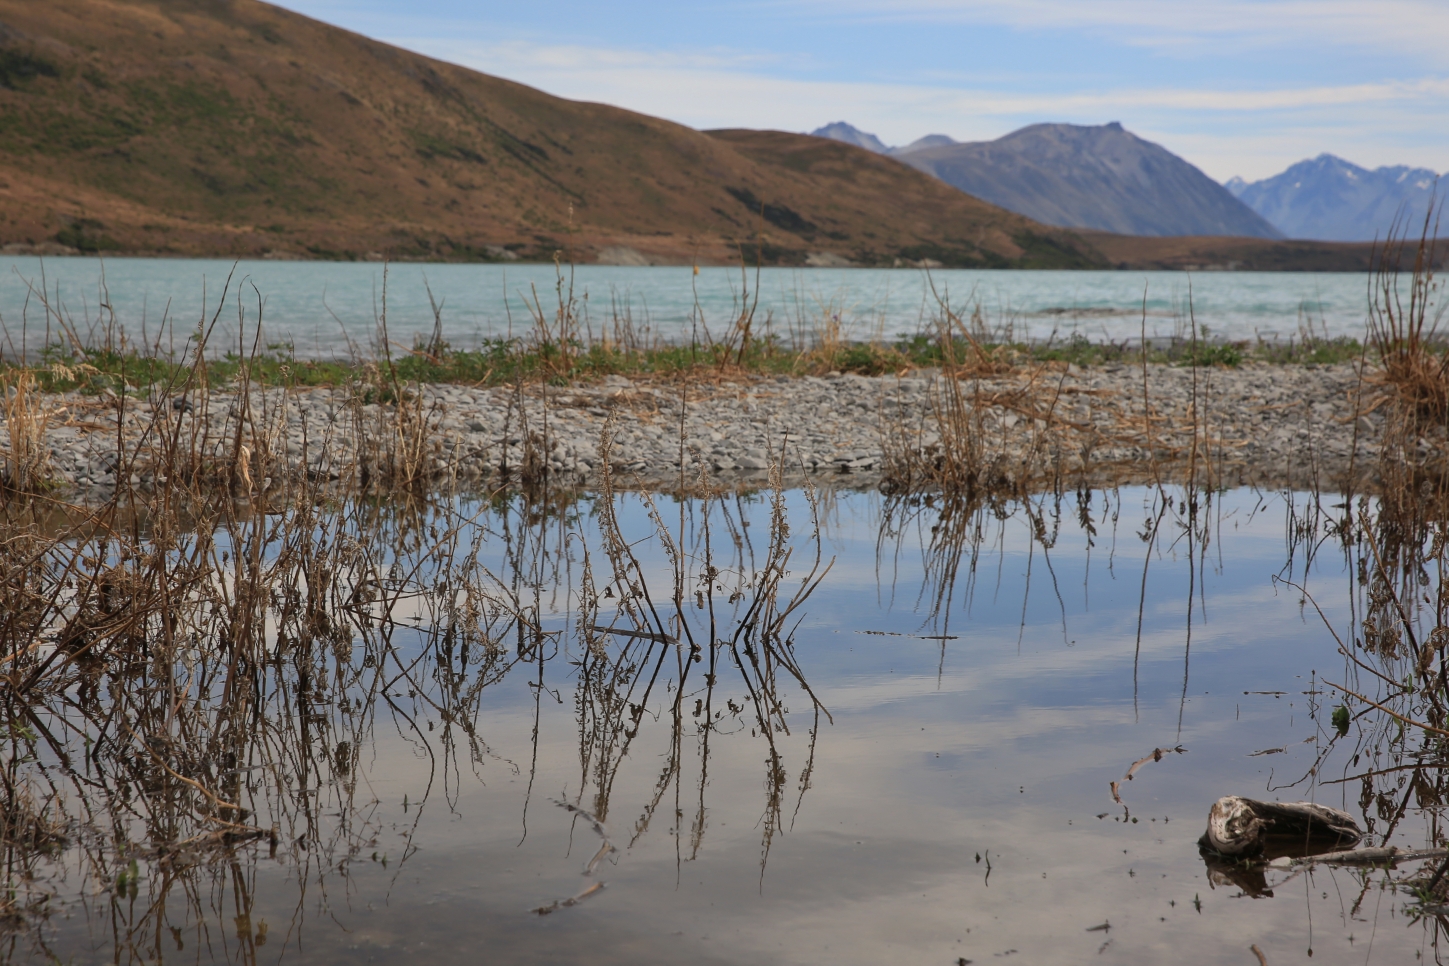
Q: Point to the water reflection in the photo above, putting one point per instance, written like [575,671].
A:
[789,719]
[192,702]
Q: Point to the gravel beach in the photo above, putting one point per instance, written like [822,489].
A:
[1301,426]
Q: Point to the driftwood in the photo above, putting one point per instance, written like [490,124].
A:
[1247,827]
[1379,857]
[1245,838]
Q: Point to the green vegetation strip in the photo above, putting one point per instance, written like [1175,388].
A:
[502,361]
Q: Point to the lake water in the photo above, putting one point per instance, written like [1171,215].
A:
[321,306]
[982,676]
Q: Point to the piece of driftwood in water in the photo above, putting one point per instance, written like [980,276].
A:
[1376,857]
[1245,826]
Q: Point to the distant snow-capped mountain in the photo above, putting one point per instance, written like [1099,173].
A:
[1330,199]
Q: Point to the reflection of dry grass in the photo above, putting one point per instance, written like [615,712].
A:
[26,823]
[726,616]
[1401,545]
[1389,703]
[219,658]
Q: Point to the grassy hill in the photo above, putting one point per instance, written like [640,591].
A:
[231,127]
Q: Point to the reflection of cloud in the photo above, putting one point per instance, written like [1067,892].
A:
[879,863]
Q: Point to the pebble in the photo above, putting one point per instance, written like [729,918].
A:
[1258,424]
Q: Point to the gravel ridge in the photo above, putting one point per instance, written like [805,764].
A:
[1295,425]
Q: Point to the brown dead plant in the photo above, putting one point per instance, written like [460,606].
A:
[1403,328]
[26,459]
[1411,379]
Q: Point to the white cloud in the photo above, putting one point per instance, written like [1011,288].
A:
[1249,121]
[1391,25]
[574,57]
[1270,127]
[715,84]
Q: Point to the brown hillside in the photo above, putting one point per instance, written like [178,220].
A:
[233,127]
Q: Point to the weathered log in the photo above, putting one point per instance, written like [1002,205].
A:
[1381,857]
[1244,826]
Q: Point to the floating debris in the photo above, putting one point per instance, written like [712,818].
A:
[1244,826]
[606,848]
[1157,755]
[558,904]
[1386,857]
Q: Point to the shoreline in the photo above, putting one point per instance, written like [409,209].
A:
[1303,425]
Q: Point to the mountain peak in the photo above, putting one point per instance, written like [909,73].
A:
[848,133]
[1329,199]
[920,144]
[1102,177]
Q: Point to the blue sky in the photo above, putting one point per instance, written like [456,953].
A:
[1235,86]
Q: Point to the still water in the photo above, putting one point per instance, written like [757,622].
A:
[322,307]
[915,768]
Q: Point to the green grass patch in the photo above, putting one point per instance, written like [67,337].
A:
[506,361]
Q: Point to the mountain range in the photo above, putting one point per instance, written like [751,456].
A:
[1332,199]
[1100,177]
[234,127]
[1107,179]
[841,131]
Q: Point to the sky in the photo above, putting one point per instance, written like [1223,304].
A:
[1237,87]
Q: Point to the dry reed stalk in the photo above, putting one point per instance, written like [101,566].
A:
[26,463]
[1411,377]
[1405,334]
[953,458]
[211,628]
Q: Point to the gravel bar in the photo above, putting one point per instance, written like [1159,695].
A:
[1300,426]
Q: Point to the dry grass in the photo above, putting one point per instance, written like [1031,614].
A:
[1004,422]
[1392,693]
[25,466]
[1410,381]
[1404,320]
[217,652]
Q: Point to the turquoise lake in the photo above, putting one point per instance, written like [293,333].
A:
[323,307]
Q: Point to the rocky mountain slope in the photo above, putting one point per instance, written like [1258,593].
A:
[233,127]
[1100,177]
[1332,199]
